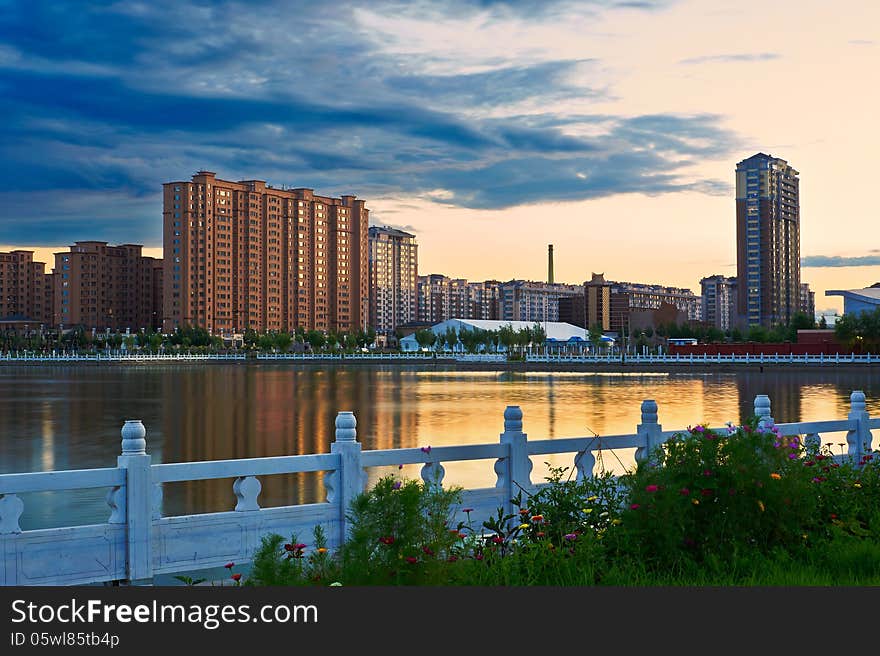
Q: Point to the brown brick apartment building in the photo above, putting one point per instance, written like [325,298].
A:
[25,288]
[100,286]
[245,254]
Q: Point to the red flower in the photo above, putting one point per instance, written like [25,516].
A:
[389,539]
[651,488]
[288,547]
[412,560]
[539,534]
[497,539]
[229,565]
[452,559]
[634,506]
[428,551]
[684,492]
[537,518]
[236,577]
[478,556]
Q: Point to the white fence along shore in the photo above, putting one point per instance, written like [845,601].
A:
[137,543]
[449,356]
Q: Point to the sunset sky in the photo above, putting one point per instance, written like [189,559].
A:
[491,129]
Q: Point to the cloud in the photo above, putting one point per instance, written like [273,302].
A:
[103,103]
[826,261]
[385,224]
[723,59]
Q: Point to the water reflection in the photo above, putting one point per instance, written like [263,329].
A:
[69,417]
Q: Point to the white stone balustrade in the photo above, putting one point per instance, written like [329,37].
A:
[137,543]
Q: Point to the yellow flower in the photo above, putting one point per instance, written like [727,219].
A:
[857,485]
[775,475]
[761,505]
[804,536]
[523,525]
[696,502]
[322,550]
[592,498]
[615,521]
[588,510]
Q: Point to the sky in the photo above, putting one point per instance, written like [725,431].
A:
[489,128]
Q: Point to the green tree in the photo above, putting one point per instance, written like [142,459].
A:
[507,337]
[316,339]
[595,336]
[451,338]
[425,337]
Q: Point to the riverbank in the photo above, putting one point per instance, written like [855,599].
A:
[599,365]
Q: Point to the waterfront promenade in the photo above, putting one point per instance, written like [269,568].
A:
[137,542]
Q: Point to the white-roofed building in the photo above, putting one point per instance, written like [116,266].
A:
[558,334]
[858,300]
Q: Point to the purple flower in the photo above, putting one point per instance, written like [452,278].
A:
[400,466]
[467,510]
[792,456]
[396,485]
[426,449]
[698,428]
[570,536]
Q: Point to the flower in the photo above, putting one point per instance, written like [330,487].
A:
[603,514]
[396,485]
[229,565]
[287,547]
[761,505]
[426,449]
[462,536]
[523,525]
[634,506]
[452,559]
[792,456]
[857,485]
[537,518]
[706,492]
[299,546]
[523,511]
[588,510]
[775,476]
[707,472]
[399,467]
[615,521]
[698,428]
[428,551]
[592,498]
[236,577]
[651,488]
[478,556]
[388,539]
[412,560]
[497,539]
[684,492]
[570,536]
[696,502]
[540,534]
[322,549]
[467,510]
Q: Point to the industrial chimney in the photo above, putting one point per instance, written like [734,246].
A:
[550,264]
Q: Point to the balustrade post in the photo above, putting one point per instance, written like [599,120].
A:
[138,512]
[349,480]
[859,439]
[762,410]
[649,430]
[514,471]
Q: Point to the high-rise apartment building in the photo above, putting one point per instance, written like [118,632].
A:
[106,287]
[650,297]
[719,301]
[394,264]
[25,288]
[767,241]
[246,254]
[598,302]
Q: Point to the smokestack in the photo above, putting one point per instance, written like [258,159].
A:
[550,264]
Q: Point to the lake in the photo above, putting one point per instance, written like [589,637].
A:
[69,417]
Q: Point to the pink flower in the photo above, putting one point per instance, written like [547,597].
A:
[635,506]
[651,488]
[684,492]
[412,560]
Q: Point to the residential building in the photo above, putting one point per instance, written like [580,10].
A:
[525,300]
[807,303]
[246,254]
[718,294]
[767,241]
[393,272]
[104,287]
[598,302]
[25,288]
[650,297]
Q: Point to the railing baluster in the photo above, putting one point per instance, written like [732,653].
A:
[11,508]
[246,489]
[432,474]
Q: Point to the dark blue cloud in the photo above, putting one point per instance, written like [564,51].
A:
[825,261]
[103,102]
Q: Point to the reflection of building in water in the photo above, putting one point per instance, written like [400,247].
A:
[785,389]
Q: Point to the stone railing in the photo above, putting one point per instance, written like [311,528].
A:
[137,543]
